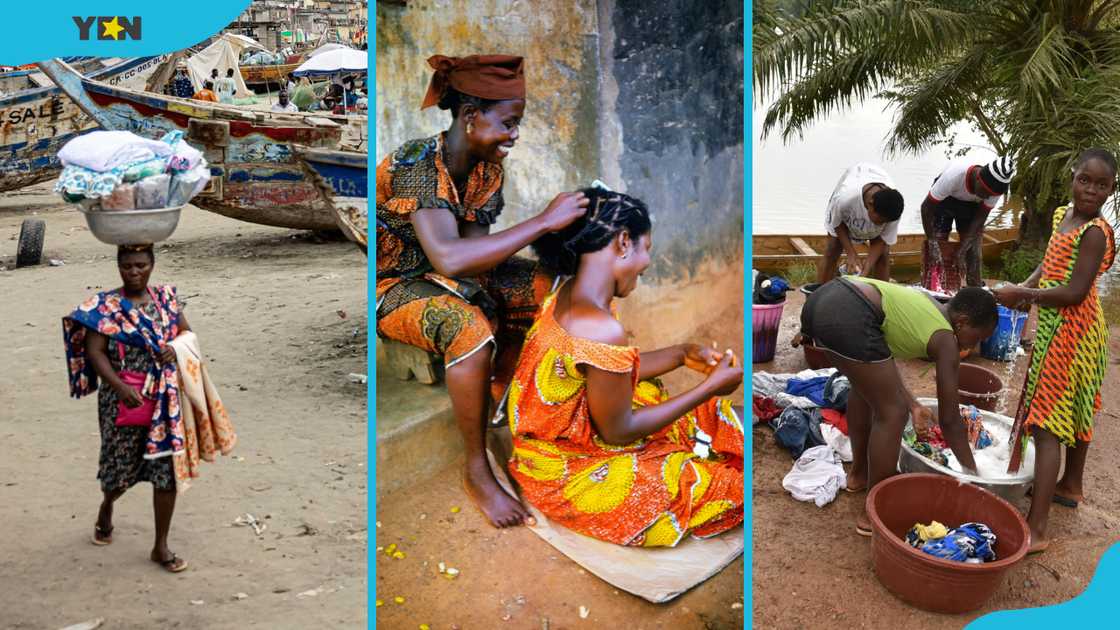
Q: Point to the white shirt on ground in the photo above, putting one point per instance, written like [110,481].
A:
[846,205]
[951,183]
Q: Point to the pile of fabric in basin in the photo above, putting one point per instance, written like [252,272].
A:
[119,170]
[807,412]
[973,543]
[932,444]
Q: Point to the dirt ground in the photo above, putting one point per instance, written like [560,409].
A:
[281,317]
[810,568]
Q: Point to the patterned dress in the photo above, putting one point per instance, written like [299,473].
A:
[454,317]
[650,493]
[1071,346]
[122,463]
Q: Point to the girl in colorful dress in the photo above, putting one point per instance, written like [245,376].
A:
[1063,388]
[598,445]
[114,335]
[444,282]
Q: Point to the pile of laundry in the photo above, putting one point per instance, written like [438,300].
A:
[119,170]
[807,413]
[932,445]
[973,543]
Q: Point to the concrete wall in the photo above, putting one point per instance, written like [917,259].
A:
[646,96]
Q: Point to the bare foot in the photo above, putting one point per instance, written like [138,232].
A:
[498,507]
[1039,543]
[863,524]
[1070,494]
[169,561]
[856,483]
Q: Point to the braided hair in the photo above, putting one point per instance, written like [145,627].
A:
[454,100]
[608,213]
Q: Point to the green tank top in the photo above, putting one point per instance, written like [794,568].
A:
[910,320]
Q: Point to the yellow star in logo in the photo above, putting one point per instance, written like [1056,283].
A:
[112,28]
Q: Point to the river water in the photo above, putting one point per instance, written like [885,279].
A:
[793,182]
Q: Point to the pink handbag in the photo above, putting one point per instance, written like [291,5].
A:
[134,416]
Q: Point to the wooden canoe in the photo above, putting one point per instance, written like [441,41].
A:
[341,177]
[257,176]
[781,252]
[36,118]
[267,73]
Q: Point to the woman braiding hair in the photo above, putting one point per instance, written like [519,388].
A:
[598,444]
[445,282]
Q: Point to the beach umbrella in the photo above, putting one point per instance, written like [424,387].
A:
[326,48]
[334,62]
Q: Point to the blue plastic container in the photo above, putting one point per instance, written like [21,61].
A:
[1002,344]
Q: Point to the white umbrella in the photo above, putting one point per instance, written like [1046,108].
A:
[325,48]
[340,61]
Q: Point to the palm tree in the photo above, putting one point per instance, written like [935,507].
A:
[1039,78]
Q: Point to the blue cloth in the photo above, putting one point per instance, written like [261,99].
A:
[836,392]
[811,388]
[970,540]
[798,430]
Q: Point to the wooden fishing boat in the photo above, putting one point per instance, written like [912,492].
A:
[341,177]
[780,252]
[267,73]
[36,118]
[257,176]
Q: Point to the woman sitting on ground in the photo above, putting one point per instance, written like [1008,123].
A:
[864,325]
[598,445]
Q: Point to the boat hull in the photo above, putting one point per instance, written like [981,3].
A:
[780,252]
[342,178]
[263,74]
[36,123]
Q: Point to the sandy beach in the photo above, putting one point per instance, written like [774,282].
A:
[281,318]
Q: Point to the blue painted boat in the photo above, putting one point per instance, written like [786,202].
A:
[342,177]
[36,118]
[256,174]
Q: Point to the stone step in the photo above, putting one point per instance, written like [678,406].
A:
[416,432]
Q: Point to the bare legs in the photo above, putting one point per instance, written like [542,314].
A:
[163,507]
[826,268]
[468,384]
[876,417]
[1047,459]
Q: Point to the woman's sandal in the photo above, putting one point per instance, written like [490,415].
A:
[862,531]
[101,537]
[174,564]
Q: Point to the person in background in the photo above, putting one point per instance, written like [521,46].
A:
[181,85]
[291,84]
[206,93]
[964,193]
[283,104]
[226,86]
[864,208]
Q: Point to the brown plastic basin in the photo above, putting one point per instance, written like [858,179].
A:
[930,583]
[979,386]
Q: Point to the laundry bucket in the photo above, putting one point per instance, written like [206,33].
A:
[930,583]
[766,319]
[1004,341]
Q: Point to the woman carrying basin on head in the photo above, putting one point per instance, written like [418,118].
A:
[445,282]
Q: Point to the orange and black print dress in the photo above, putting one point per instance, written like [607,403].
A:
[650,493]
[454,317]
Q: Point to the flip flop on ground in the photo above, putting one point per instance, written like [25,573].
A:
[174,564]
[101,537]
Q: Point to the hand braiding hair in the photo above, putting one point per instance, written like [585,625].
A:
[608,213]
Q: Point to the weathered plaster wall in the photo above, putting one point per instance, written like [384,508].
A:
[645,95]
[558,148]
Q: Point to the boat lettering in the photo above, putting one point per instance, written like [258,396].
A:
[20,115]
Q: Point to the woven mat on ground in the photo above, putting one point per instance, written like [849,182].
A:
[657,575]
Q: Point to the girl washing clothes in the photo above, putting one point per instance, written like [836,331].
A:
[598,445]
[1071,346]
[864,325]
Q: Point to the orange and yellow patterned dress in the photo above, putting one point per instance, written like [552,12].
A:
[1063,388]
[650,493]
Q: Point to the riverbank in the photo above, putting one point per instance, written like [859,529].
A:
[811,568]
[281,318]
